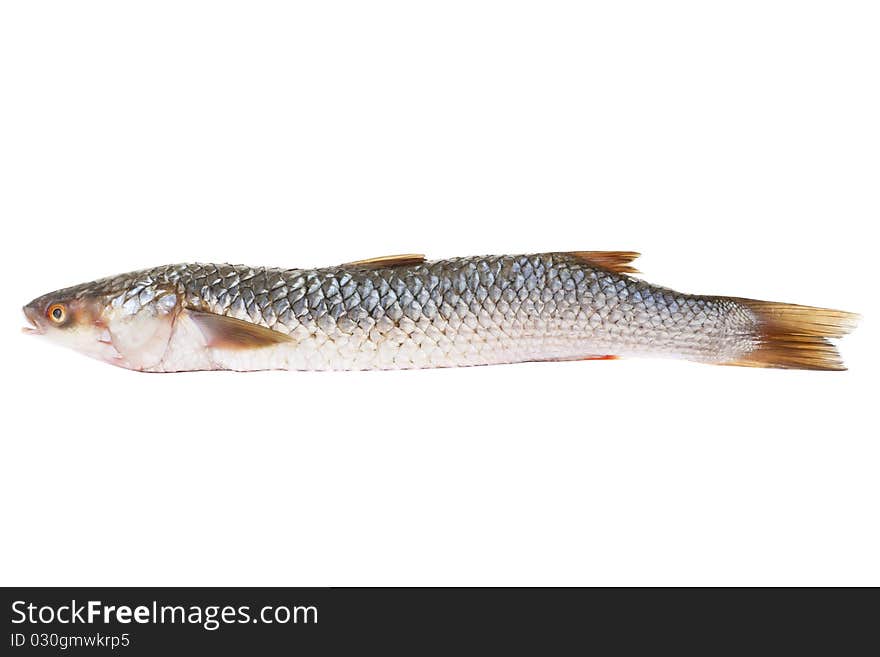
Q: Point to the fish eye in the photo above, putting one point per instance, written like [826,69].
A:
[57,313]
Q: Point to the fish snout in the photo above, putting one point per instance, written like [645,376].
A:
[34,315]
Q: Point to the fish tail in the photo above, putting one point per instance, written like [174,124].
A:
[789,336]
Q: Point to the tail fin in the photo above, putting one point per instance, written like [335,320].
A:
[797,337]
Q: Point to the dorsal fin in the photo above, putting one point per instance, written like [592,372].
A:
[616,261]
[388,261]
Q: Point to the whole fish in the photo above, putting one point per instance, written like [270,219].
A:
[400,312]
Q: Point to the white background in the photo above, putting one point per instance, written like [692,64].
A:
[734,144]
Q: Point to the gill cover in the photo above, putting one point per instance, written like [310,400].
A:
[140,332]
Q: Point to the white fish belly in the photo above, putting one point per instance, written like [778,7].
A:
[409,345]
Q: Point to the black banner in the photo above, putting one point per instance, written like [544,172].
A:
[150,621]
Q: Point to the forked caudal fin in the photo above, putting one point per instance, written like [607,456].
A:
[796,337]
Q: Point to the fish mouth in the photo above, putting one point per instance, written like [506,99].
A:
[31,316]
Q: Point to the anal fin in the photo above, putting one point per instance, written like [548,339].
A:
[590,357]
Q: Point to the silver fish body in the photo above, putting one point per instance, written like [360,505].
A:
[401,313]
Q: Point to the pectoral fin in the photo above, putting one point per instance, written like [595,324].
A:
[229,333]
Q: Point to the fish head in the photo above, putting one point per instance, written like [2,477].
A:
[72,320]
[121,320]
